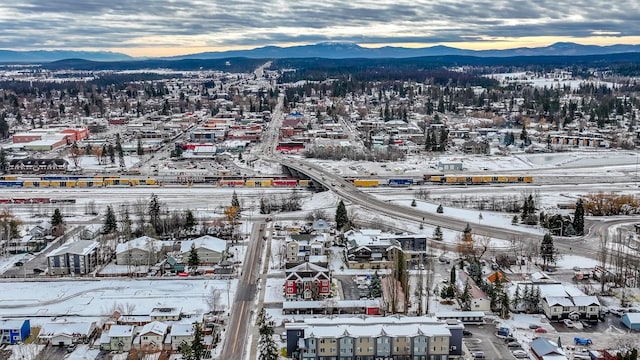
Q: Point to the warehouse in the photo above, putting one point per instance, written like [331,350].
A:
[631,320]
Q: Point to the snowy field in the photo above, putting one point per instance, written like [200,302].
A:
[97,299]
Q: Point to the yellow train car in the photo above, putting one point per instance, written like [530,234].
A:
[477,180]
[54,183]
[436,179]
[251,183]
[487,179]
[150,181]
[513,179]
[366,183]
[70,183]
[134,182]
[527,179]
[266,182]
[304,182]
[502,179]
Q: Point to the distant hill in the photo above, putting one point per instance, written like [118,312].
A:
[41,56]
[336,50]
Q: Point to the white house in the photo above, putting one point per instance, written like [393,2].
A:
[65,334]
[210,249]
[144,250]
[181,334]
[152,336]
[119,338]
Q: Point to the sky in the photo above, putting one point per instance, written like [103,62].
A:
[175,27]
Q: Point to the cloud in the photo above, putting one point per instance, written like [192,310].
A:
[96,24]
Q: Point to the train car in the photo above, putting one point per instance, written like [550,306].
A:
[40,200]
[11,184]
[231,183]
[366,183]
[5,201]
[150,181]
[8,178]
[527,179]
[285,182]
[436,179]
[304,182]
[400,182]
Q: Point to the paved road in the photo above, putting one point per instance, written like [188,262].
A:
[237,336]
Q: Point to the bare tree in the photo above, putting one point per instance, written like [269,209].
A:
[213,300]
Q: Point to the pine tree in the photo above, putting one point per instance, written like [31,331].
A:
[375,289]
[465,297]
[547,250]
[234,200]
[126,224]
[266,345]
[154,213]
[437,233]
[578,218]
[120,151]
[189,221]
[342,218]
[197,346]
[3,161]
[452,275]
[57,222]
[194,259]
[110,222]
[516,298]
[140,150]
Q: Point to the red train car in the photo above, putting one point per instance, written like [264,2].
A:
[285,182]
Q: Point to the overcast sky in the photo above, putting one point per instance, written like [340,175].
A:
[169,27]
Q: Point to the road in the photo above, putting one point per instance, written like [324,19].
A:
[238,330]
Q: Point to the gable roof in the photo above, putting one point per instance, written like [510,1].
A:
[155,327]
[121,331]
[204,242]
[307,267]
[145,243]
[79,247]
[543,347]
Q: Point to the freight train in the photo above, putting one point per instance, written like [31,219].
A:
[74,181]
[477,179]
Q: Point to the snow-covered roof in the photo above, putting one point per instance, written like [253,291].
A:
[634,318]
[337,304]
[307,267]
[585,300]
[558,300]
[205,242]
[156,327]
[70,329]
[182,330]
[11,324]
[120,330]
[392,330]
[79,247]
[543,348]
[143,243]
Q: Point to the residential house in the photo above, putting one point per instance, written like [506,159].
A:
[118,338]
[367,249]
[411,338]
[181,334]
[171,264]
[210,249]
[546,349]
[38,166]
[152,336]
[77,257]
[144,250]
[13,331]
[66,333]
[165,314]
[561,301]
[302,248]
[479,300]
[307,282]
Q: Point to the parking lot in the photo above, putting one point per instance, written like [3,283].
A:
[483,340]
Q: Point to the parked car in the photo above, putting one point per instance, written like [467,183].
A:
[38,271]
[466,333]
[479,355]
[520,354]
[540,330]
[514,345]
[581,341]
[568,323]
[18,263]
[534,326]
[616,312]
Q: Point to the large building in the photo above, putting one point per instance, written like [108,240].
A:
[373,338]
[77,257]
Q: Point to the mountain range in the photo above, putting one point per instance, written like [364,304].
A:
[330,50]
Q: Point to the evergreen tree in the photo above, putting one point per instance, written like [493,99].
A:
[523,134]
[465,297]
[516,298]
[547,250]
[154,213]
[578,218]
[194,259]
[195,349]
[437,233]
[189,220]
[110,222]
[267,349]
[57,222]
[234,200]
[452,275]
[140,150]
[111,152]
[120,151]
[342,218]
[375,288]
[126,224]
